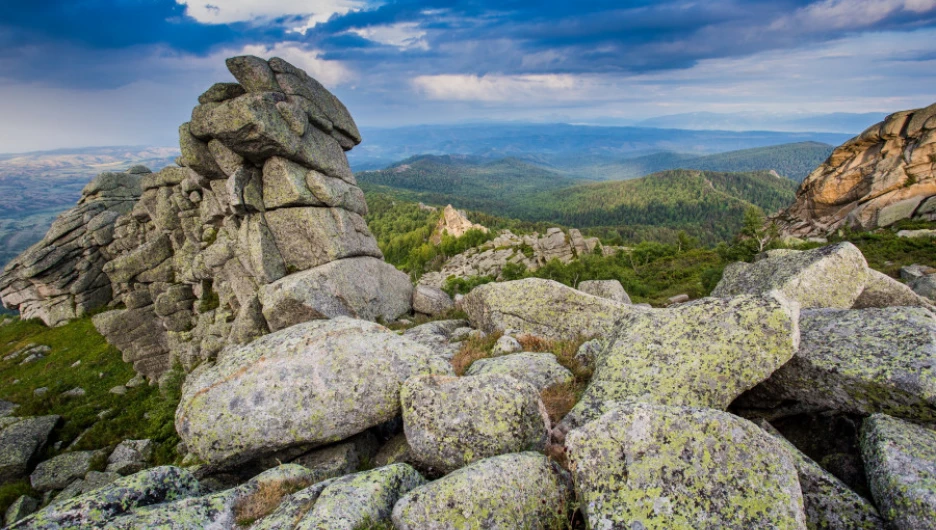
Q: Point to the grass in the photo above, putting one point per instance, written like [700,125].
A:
[143,412]
[370,524]
[472,349]
[559,399]
[13,490]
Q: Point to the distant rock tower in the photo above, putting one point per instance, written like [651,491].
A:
[259,227]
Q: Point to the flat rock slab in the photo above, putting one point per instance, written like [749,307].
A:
[862,361]
[706,354]
[310,384]
[832,276]
[900,461]
[453,421]
[653,466]
[520,490]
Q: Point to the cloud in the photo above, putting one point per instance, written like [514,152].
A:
[405,35]
[312,12]
[457,87]
[850,14]
[329,73]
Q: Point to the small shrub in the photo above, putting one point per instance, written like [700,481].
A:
[262,502]
[473,349]
[370,524]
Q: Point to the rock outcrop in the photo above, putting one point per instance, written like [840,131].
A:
[453,223]
[259,227]
[884,175]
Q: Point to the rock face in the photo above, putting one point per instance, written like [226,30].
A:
[544,308]
[198,255]
[522,490]
[900,460]
[651,466]
[702,354]
[832,276]
[335,378]
[453,223]
[20,441]
[451,422]
[862,361]
[885,174]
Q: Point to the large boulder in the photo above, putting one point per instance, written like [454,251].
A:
[430,300]
[862,361]
[900,461]
[884,291]
[831,276]
[539,369]
[544,308]
[703,354]
[363,287]
[62,470]
[453,421]
[523,490]
[20,442]
[653,466]
[310,384]
[610,289]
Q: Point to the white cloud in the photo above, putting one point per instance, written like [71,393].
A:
[228,11]
[329,73]
[495,87]
[405,35]
[843,14]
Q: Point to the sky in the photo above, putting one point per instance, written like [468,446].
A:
[128,72]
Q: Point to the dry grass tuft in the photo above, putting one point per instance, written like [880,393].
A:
[472,350]
[559,399]
[267,498]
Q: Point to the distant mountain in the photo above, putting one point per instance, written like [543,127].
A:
[561,145]
[838,122]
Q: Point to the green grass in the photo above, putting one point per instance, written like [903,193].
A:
[143,412]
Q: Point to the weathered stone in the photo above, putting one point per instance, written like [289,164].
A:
[309,237]
[395,450]
[898,211]
[653,466]
[367,497]
[253,74]
[362,287]
[900,461]
[610,289]
[521,490]
[431,300]
[288,184]
[60,471]
[340,459]
[929,234]
[231,412]
[506,345]
[20,442]
[862,361]
[130,456]
[543,308]
[292,508]
[221,92]
[925,286]
[21,507]
[195,154]
[832,276]
[451,422]
[883,291]
[705,354]
[539,369]
[588,352]
[146,258]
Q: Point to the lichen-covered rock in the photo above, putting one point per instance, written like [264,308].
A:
[520,490]
[363,287]
[335,377]
[506,345]
[831,276]
[539,369]
[829,503]
[21,507]
[862,361]
[342,458]
[588,352]
[153,486]
[658,467]
[610,289]
[92,480]
[130,456]
[20,442]
[60,471]
[900,461]
[884,291]
[430,300]
[292,508]
[367,497]
[925,286]
[453,421]
[544,308]
[436,334]
[705,354]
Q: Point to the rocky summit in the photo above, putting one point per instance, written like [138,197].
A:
[316,388]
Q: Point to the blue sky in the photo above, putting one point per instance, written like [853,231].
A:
[118,72]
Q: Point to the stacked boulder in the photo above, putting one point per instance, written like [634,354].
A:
[260,226]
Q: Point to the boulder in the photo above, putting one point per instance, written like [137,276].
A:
[431,300]
[451,422]
[506,345]
[342,458]
[60,471]
[363,287]
[309,237]
[862,361]
[253,73]
[292,508]
[232,411]
[368,497]
[610,289]
[539,369]
[288,184]
[831,276]
[909,273]
[925,287]
[884,291]
[829,503]
[520,490]
[588,352]
[20,443]
[543,308]
[652,466]
[900,461]
[705,353]
[130,456]
[24,505]
[153,486]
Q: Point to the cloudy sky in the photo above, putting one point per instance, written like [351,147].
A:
[119,72]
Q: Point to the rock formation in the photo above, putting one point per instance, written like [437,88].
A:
[258,227]
[885,174]
[453,223]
